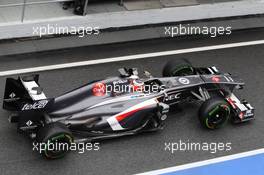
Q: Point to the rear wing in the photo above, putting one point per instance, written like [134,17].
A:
[24,93]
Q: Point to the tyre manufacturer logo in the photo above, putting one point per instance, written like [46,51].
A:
[184,81]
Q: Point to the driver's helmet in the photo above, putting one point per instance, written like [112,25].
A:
[137,85]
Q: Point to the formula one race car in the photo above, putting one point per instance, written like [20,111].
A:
[123,105]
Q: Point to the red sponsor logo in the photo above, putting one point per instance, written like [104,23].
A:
[216,79]
[241,115]
[99,89]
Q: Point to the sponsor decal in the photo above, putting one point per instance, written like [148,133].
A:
[241,115]
[99,89]
[25,128]
[37,105]
[184,80]
[232,103]
[12,95]
[172,97]
[215,79]
[248,113]
[29,123]
[121,81]
[28,126]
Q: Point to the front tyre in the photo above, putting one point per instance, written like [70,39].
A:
[214,113]
[178,67]
[57,139]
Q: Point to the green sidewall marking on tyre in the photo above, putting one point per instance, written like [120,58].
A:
[213,111]
[228,108]
[181,68]
[54,157]
[55,138]
[69,137]
[207,124]
[58,137]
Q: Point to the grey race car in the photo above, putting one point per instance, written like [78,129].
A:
[123,105]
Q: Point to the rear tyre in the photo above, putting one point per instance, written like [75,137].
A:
[57,139]
[214,113]
[179,67]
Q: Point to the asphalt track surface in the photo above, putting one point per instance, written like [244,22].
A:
[135,154]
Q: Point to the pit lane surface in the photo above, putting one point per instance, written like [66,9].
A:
[135,154]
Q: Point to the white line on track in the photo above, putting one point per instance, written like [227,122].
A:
[130,57]
[205,162]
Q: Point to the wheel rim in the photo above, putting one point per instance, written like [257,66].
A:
[60,149]
[218,116]
[183,71]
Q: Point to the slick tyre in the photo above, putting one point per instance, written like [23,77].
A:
[179,67]
[214,113]
[57,139]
